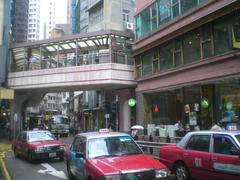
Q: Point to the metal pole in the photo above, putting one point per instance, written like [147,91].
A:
[117,113]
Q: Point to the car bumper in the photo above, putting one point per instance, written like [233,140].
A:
[48,155]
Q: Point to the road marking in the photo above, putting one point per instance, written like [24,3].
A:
[7,175]
[52,171]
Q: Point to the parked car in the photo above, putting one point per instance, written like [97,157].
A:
[59,125]
[110,156]
[37,144]
[204,155]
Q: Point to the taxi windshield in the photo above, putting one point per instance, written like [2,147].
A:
[238,137]
[112,146]
[40,136]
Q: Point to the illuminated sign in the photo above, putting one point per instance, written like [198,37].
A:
[6,93]
[131,102]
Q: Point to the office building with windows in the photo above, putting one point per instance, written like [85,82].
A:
[34,20]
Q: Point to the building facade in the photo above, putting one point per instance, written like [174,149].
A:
[34,20]
[101,105]
[187,61]
[19,18]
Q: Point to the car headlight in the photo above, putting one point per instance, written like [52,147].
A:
[161,173]
[112,177]
[39,149]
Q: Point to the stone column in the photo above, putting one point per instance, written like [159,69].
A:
[16,119]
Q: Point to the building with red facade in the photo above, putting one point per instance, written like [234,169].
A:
[187,61]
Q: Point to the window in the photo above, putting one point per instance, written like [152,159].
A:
[147,63]
[177,53]
[79,145]
[222,36]
[166,56]
[223,144]
[206,41]
[199,143]
[164,10]
[138,67]
[191,47]
[154,21]
[155,62]
[126,15]
[187,5]
[145,21]
[175,8]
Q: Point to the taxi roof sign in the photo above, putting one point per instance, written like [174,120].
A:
[104,130]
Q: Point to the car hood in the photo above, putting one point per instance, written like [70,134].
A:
[46,143]
[115,165]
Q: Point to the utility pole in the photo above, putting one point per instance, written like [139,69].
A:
[117,113]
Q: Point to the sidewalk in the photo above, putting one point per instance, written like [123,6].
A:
[5,149]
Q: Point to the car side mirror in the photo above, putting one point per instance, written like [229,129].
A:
[80,155]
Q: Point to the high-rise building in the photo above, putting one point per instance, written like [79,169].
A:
[34,20]
[5,21]
[19,20]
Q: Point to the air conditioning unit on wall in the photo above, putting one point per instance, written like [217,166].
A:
[129,26]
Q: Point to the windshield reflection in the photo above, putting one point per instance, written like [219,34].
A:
[112,147]
[40,136]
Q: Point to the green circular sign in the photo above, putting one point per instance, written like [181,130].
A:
[229,105]
[131,102]
[204,103]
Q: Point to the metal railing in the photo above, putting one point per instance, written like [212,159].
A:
[153,147]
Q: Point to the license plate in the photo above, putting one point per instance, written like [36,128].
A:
[52,154]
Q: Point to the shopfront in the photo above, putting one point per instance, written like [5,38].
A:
[197,106]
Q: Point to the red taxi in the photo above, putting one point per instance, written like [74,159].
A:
[37,144]
[110,156]
[204,155]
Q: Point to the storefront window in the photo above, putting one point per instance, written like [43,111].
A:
[206,41]
[164,10]
[221,36]
[166,56]
[191,47]
[187,5]
[147,63]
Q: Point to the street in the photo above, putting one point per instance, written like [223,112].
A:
[21,169]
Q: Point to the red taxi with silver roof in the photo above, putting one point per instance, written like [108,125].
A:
[204,155]
[108,155]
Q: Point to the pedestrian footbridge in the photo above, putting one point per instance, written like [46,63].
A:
[84,61]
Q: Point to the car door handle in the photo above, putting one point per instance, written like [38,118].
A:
[214,159]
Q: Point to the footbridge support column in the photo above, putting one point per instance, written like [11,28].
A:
[16,118]
[124,109]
